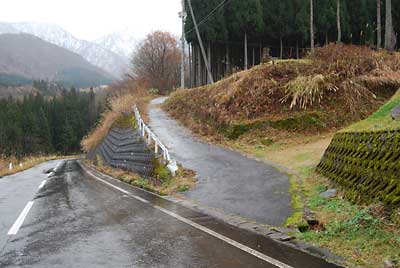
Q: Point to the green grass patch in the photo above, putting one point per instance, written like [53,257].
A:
[380,120]
[300,122]
[297,202]
[351,231]
[125,121]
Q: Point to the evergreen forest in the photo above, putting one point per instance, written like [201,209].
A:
[230,27]
[38,125]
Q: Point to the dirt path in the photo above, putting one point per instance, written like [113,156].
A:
[227,179]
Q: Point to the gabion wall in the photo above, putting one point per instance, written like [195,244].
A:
[366,165]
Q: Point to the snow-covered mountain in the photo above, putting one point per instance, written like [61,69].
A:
[94,53]
[122,43]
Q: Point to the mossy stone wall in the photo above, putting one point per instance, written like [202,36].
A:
[366,165]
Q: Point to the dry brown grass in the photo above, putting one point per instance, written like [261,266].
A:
[126,95]
[24,163]
[343,83]
[183,181]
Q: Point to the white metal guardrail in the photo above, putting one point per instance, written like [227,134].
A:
[151,138]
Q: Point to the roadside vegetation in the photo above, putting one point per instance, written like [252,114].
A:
[126,94]
[339,85]
[25,163]
[162,183]
[287,113]
[380,120]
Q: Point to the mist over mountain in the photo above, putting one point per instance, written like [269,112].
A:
[122,43]
[95,53]
[24,56]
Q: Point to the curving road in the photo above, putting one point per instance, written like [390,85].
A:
[227,179]
[80,220]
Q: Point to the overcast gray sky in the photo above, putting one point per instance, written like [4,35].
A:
[90,19]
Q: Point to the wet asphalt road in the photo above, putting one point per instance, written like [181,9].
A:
[227,179]
[79,221]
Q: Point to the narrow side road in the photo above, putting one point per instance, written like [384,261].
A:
[78,220]
[227,179]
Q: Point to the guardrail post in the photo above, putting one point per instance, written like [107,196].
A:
[156,147]
[10,166]
[148,136]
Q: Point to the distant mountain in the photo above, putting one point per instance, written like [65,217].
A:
[24,56]
[122,43]
[94,53]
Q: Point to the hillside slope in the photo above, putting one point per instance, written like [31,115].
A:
[381,120]
[94,53]
[339,85]
[24,55]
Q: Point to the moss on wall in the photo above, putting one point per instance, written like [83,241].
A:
[300,122]
[366,165]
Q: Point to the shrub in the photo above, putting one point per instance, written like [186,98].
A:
[154,91]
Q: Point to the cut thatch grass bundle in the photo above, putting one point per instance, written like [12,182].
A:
[305,91]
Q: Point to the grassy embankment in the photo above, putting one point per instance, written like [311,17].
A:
[120,115]
[288,113]
[25,163]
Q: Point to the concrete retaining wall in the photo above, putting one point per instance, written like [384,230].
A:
[124,148]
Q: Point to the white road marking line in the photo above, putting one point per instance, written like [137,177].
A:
[18,223]
[109,184]
[42,184]
[201,228]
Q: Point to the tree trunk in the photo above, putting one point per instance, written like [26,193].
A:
[261,53]
[254,57]
[199,71]
[379,24]
[338,20]
[194,65]
[297,49]
[218,64]
[246,62]
[390,37]
[326,39]
[281,47]
[209,61]
[227,61]
[190,66]
[312,25]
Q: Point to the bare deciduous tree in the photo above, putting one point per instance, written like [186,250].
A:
[157,61]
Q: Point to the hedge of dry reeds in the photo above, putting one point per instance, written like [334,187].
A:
[126,94]
[343,82]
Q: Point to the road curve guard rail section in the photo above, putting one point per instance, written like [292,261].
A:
[366,165]
[152,139]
